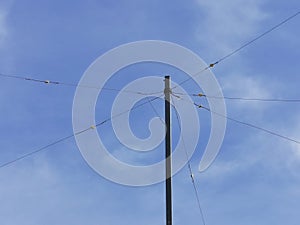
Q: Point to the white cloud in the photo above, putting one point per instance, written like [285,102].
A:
[228,23]
[5,6]
[296,148]
[222,169]
[3,27]
[246,86]
[294,132]
[5,53]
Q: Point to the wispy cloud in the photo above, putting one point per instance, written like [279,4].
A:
[3,25]
[5,53]
[247,86]
[226,24]
[294,132]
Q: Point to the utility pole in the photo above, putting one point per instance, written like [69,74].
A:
[167,92]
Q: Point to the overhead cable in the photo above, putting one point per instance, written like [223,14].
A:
[242,98]
[258,37]
[189,164]
[75,134]
[211,65]
[74,85]
[250,125]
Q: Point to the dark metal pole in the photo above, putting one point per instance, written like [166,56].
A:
[167,92]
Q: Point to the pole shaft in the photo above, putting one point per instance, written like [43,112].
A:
[167,92]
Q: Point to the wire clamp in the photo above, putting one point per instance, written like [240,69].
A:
[168,90]
[213,64]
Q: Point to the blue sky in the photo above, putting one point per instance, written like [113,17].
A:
[255,178]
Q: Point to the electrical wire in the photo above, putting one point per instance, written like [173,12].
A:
[75,134]
[243,98]
[189,165]
[258,99]
[258,37]
[241,122]
[184,81]
[194,75]
[188,160]
[250,125]
[155,111]
[240,48]
[42,148]
[74,85]
[210,66]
